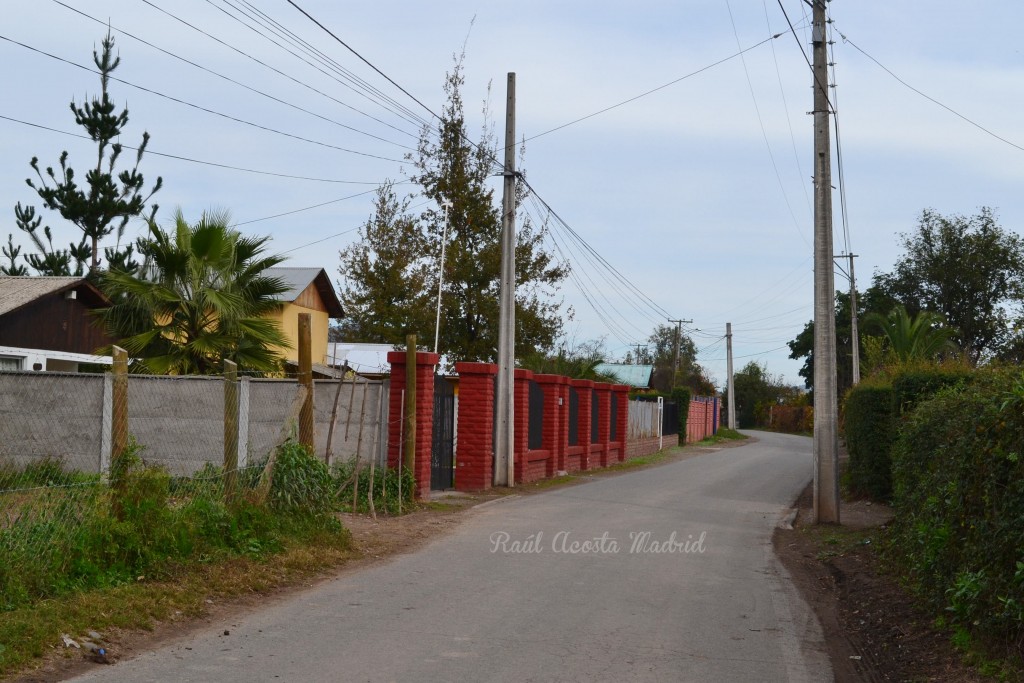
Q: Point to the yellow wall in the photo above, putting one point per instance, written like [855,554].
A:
[288,318]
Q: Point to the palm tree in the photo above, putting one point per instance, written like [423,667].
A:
[924,337]
[199,298]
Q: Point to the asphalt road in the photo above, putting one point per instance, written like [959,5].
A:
[561,586]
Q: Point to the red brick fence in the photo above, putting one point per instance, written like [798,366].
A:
[578,425]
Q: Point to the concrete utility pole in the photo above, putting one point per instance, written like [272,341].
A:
[675,363]
[636,360]
[730,388]
[826,413]
[504,463]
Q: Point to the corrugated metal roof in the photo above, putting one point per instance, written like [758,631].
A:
[16,292]
[633,375]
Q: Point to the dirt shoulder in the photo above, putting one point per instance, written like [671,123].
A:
[873,630]
[373,541]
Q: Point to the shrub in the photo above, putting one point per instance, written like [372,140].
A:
[873,412]
[681,397]
[384,484]
[869,433]
[301,481]
[958,484]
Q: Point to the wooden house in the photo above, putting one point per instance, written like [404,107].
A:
[46,323]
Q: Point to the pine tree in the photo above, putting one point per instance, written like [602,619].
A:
[390,277]
[105,204]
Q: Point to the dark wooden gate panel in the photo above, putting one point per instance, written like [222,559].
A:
[442,452]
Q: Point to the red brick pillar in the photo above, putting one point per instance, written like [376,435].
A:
[521,418]
[425,364]
[555,421]
[584,392]
[603,396]
[622,419]
[474,456]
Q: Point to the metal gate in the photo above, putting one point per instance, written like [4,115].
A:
[442,451]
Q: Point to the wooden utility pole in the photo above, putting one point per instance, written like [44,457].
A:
[409,456]
[730,388]
[306,437]
[826,413]
[504,462]
[675,362]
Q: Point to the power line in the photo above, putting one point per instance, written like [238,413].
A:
[277,71]
[229,79]
[357,85]
[364,60]
[929,97]
[200,107]
[197,161]
[764,132]
[785,107]
[748,355]
[653,90]
[306,208]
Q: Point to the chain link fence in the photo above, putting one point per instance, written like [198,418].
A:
[81,453]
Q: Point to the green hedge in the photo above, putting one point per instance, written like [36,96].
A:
[873,413]
[958,484]
[869,438]
[681,397]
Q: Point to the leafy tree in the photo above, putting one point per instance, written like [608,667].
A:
[105,203]
[201,296]
[803,345]
[755,389]
[449,167]
[969,270]
[580,362]
[384,276]
[661,354]
[923,337]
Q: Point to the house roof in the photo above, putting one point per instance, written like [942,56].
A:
[633,375]
[18,291]
[363,359]
[299,279]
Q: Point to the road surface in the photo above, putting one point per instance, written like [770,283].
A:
[663,574]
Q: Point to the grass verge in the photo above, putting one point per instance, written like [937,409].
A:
[31,632]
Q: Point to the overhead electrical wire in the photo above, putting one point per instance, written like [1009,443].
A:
[929,97]
[202,108]
[306,208]
[789,120]
[312,50]
[764,132]
[748,355]
[295,80]
[231,80]
[839,151]
[653,90]
[364,60]
[198,161]
[345,80]
[613,327]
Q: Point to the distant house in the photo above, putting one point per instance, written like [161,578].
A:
[46,323]
[638,376]
[310,291]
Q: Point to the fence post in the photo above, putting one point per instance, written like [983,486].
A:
[306,437]
[119,408]
[119,425]
[230,430]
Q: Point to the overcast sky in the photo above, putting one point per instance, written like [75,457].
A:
[699,193]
